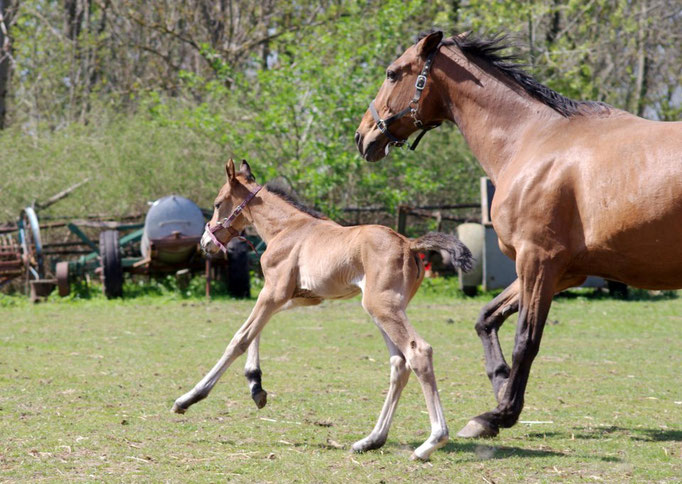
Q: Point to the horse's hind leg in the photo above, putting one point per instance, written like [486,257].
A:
[253,374]
[399,376]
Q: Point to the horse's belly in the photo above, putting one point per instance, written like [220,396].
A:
[646,257]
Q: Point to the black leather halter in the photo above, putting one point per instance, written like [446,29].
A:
[411,109]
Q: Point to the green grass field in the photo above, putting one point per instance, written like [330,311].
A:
[86,389]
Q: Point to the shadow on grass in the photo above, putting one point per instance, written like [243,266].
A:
[485,452]
[632,295]
[488,452]
[644,435]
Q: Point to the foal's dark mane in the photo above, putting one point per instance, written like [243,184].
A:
[488,50]
[278,190]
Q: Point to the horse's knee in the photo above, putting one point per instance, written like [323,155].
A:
[481,325]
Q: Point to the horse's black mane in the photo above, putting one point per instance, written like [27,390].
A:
[489,50]
[277,189]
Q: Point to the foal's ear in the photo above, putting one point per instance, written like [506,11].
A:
[229,169]
[245,170]
[429,43]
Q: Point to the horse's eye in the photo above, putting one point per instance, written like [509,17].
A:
[217,205]
[391,75]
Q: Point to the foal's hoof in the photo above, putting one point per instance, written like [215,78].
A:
[477,430]
[178,409]
[414,456]
[367,444]
[261,398]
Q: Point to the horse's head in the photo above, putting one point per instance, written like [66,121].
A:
[228,217]
[408,101]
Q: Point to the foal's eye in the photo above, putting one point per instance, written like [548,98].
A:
[216,205]
[391,75]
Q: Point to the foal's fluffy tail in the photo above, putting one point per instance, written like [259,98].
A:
[460,255]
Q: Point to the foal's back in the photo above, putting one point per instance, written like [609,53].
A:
[336,261]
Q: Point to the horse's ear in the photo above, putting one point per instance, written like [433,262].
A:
[229,169]
[429,43]
[245,170]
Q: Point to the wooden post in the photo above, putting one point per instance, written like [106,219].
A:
[402,219]
[208,279]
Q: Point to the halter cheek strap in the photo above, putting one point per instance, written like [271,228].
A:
[411,109]
[227,222]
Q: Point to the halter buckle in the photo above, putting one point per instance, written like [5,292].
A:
[421,82]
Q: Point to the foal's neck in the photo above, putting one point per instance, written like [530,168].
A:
[491,111]
[270,215]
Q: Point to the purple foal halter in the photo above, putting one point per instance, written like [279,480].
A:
[227,222]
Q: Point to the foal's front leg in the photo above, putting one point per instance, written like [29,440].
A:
[261,313]
[252,370]
[253,373]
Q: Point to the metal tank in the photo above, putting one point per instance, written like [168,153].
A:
[172,229]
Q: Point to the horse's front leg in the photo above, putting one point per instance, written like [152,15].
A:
[491,317]
[261,313]
[537,283]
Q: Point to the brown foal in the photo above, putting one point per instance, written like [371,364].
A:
[582,188]
[309,259]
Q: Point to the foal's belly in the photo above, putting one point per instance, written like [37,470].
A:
[329,285]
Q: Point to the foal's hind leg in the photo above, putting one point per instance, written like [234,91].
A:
[399,376]
[419,355]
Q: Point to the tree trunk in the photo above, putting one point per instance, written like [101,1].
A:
[5,58]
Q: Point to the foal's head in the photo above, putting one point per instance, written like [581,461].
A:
[229,217]
[396,94]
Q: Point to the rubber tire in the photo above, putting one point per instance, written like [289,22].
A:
[112,269]
[238,280]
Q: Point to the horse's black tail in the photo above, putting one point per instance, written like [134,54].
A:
[460,255]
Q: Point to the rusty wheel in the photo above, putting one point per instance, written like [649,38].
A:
[112,268]
[63,285]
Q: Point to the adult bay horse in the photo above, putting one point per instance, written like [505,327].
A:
[311,258]
[582,188]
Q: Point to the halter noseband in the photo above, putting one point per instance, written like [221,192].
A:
[227,222]
[411,109]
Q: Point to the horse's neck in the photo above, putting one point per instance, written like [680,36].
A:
[271,215]
[491,112]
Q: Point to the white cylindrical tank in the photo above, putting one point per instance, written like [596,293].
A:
[172,218]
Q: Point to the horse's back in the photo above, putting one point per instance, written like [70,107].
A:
[608,190]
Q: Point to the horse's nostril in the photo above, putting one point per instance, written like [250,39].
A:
[357,138]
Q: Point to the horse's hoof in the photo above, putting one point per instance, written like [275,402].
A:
[261,398]
[178,409]
[476,430]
